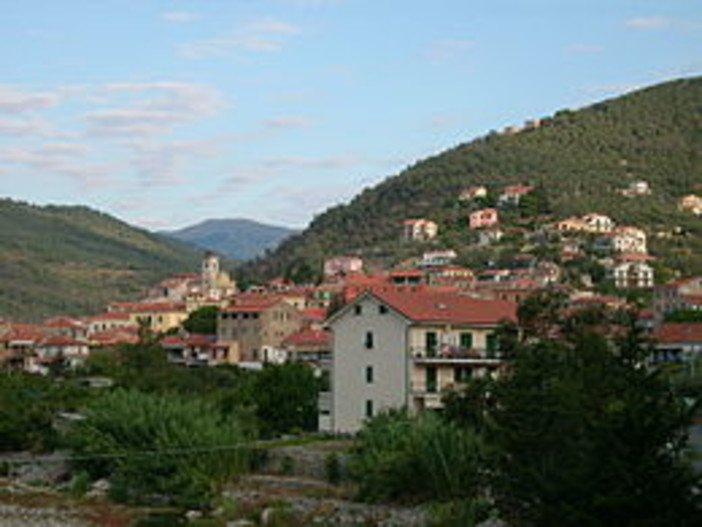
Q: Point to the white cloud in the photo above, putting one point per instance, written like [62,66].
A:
[180,16]
[23,126]
[262,35]
[172,104]
[651,23]
[14,100]
[445,50]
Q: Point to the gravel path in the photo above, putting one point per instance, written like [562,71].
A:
[20,516]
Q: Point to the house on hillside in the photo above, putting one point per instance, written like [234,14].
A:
[636,188]
[342,266]
[471,193]
[419,229]
[677,295]
[255,331]
[437,258]
[512,194]
[483,218]
[691,203]
[633,274]
[678,342]
[402,349]
[598,223]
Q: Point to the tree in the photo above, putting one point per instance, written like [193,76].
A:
[587,436]
[286,398]
[203,320]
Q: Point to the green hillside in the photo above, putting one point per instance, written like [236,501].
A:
[73,260]
[580,158]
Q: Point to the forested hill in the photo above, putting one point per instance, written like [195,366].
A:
[73,260]
[581,158]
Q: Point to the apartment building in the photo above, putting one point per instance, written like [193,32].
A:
[403,349]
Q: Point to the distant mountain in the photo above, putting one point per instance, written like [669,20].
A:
[74,260]
[237,239]
[580,158]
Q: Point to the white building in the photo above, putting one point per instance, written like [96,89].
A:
[397,349]
[633,275]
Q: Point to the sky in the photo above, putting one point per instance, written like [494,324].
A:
[165,113]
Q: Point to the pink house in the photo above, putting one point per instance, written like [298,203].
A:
[483,218]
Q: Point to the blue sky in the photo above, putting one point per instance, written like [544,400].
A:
[168,112]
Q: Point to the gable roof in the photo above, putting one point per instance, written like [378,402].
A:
[433,307]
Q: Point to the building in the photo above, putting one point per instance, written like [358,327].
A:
[419,229]
[342,266]
[255,331]
[636,188]
[196,350]
[158,317]
[629,240]
[691,203]
[677,295]
[311,346]
[633,275]
[483,218]
[471,193]
[437,258]
[402,349]
[598,223]
[513,194]
[678,342]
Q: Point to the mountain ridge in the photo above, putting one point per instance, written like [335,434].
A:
[235,238]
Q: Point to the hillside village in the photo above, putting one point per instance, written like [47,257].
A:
[438,320]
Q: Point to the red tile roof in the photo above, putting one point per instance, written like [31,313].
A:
[679,332]
[62,341]
[449,308]
[307,337]
[62,322]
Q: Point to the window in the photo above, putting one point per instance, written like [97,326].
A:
[369,374]
[382,309]
[462,375]
[492,345]
[369,340]
[431,341]
[369,408]
[431,379]
[357,309]
[466,340]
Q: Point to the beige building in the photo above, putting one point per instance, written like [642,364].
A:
[419,229]
[402,349]
[256,331]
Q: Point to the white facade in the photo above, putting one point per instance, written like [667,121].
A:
[633,275]
[370,369]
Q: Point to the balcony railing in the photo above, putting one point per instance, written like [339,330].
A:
[446,352]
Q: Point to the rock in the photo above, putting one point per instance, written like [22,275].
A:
[241,523]
[267,516]
[193,515]
[98,489]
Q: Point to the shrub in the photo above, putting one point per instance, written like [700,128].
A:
[156,448]
[401,457]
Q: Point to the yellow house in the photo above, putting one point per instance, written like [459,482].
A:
[156,316]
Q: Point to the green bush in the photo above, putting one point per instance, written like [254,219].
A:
[157,448]
[404,457]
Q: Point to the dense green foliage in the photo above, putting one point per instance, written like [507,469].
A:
[73,260]
[426,458]
[159,447]
[577,159]
[279,399]
[28,406]
[203,321]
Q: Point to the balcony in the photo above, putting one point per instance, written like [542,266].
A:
[450,354]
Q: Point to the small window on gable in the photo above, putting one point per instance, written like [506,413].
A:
[369,374]
[369,408]
[357,309]
[382,309]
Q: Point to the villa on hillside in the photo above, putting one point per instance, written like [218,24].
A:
[483,218]
[513,194]
[691,203]
[472,193]
[419,229]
